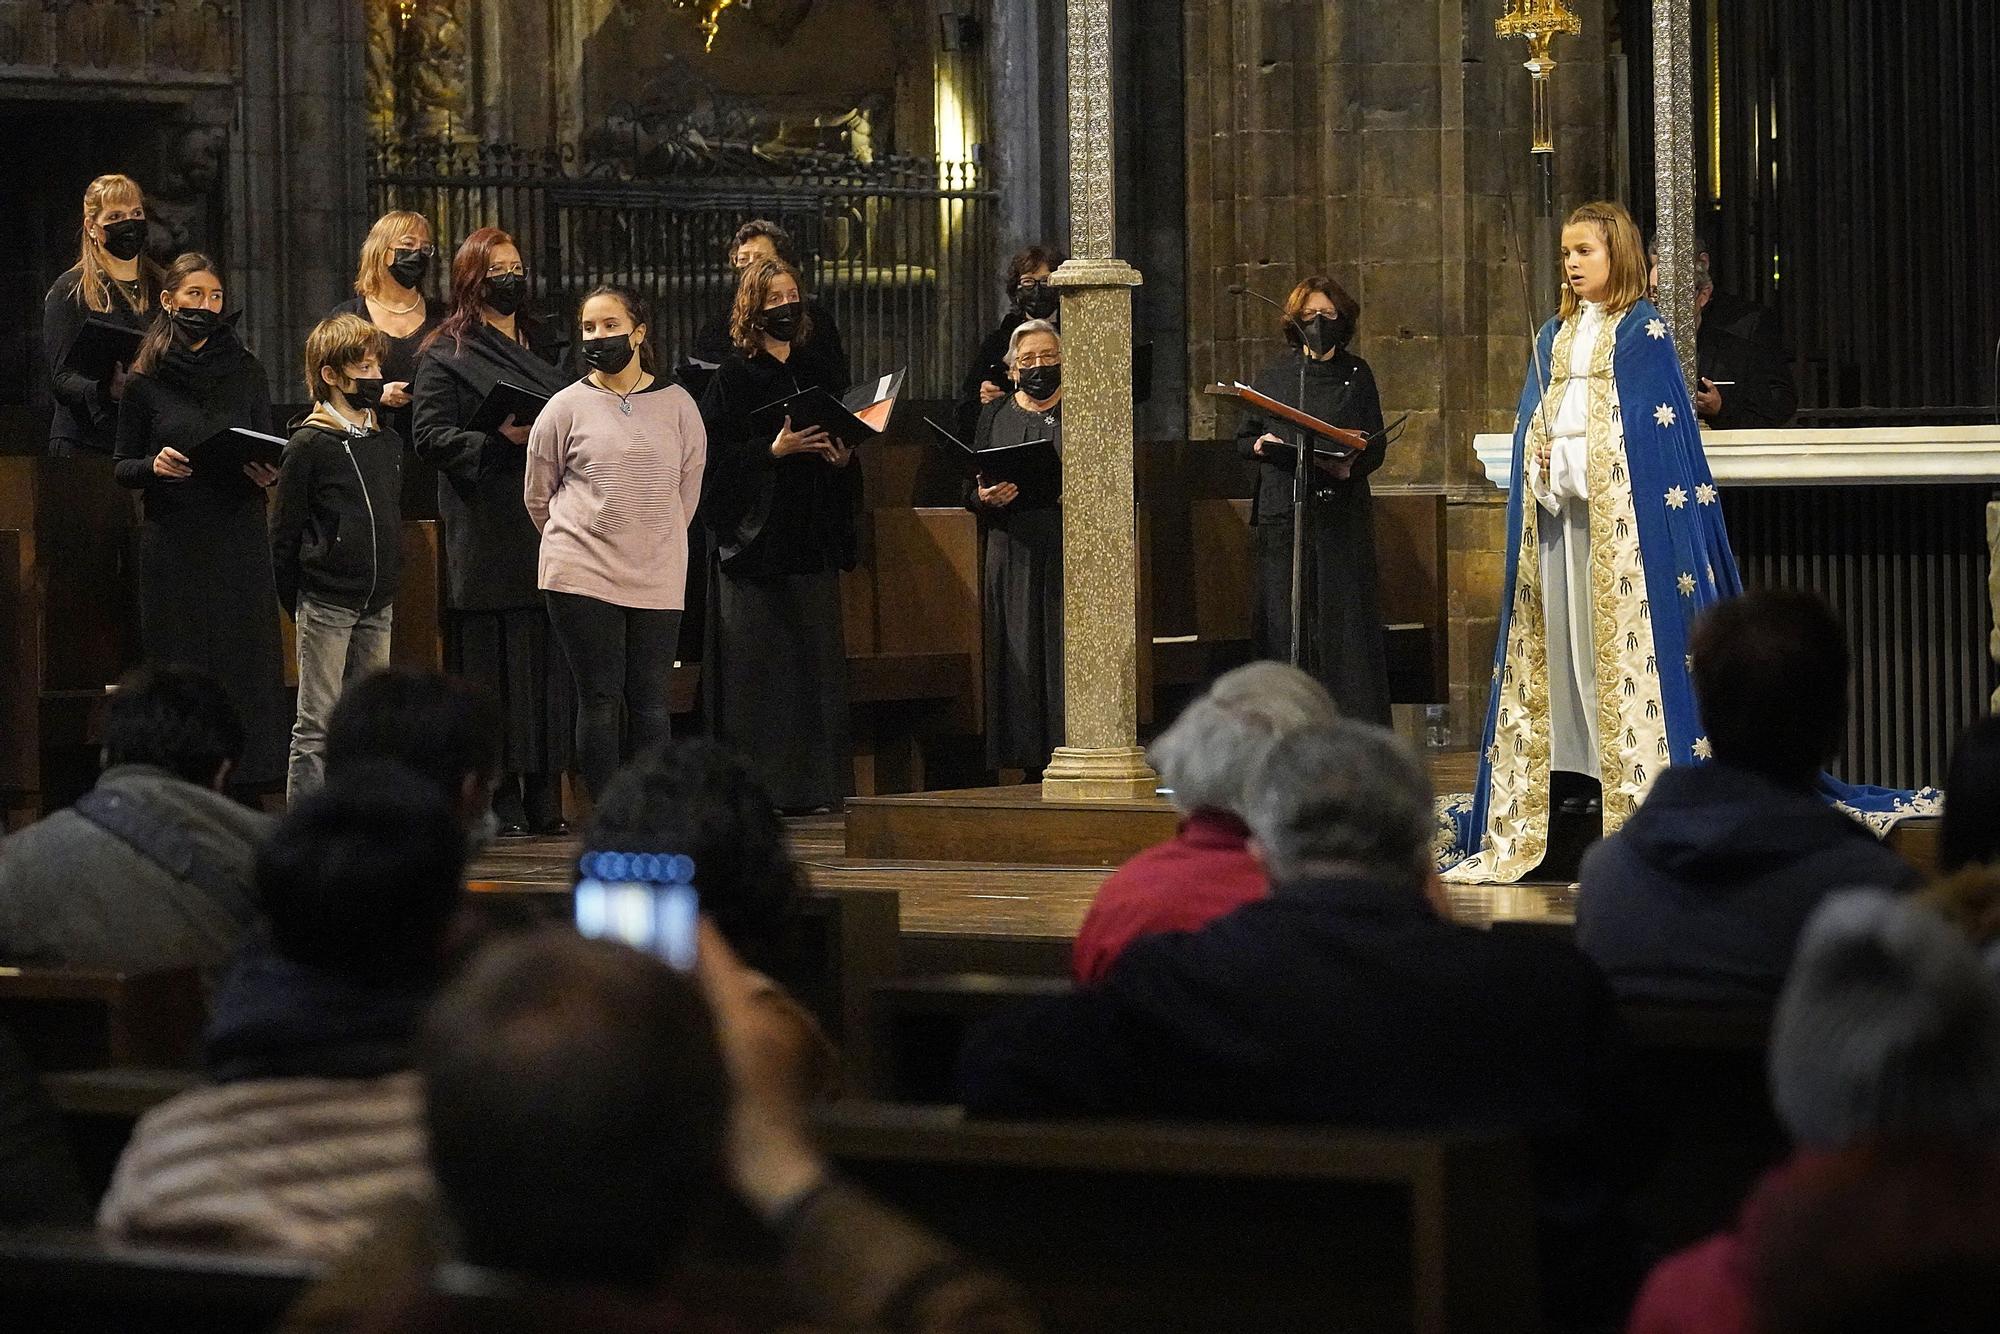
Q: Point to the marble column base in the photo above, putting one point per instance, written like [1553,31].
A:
[1118,773]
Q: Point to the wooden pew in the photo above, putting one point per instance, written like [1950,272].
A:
[77,1283]
[83,1018]
[920,1026]
[1166,1227]
[846,944]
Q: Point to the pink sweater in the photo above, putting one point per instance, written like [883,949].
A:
[614,494]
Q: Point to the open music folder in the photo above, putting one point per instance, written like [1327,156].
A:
[1033,465]
[1330,443]
[854,418]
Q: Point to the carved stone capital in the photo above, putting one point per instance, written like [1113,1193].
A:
[1082,273]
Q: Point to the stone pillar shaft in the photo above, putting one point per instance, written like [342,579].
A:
[1673,167]
[1102,759]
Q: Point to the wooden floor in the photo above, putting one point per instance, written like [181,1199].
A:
[1034,906]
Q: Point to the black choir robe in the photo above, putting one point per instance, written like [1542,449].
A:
[1021,591]
[989,364]
[1344,647]
[206,594]
[496,629]
[779,532]
[1762,394]
[86,416]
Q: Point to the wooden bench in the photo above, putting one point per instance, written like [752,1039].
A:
[920,1026]
[1165,1227]
[84,1018]
[77,1283]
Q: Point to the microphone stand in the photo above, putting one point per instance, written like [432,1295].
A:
[1301,483]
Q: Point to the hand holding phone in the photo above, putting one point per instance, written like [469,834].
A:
[645,899]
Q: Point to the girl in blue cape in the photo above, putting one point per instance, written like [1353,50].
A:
[1615,543]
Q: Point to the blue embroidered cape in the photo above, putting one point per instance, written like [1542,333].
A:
[1658,555]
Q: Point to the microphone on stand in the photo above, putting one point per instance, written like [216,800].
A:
[1301,486]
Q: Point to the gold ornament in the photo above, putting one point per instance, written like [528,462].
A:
[1541,22]
[709,15]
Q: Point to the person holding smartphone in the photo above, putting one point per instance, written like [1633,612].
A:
[206,593]
[779,507]
[496,630]
[113,279]
[614,474]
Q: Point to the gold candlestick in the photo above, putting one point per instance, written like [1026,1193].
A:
[1541,22]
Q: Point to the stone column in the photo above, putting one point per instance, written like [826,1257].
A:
[1673,170]
[1102,760]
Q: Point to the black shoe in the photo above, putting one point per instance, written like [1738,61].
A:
[515,829]
[556,828]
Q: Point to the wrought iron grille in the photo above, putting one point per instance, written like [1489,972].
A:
[900,249]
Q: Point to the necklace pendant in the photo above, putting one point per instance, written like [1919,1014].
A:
[624,407]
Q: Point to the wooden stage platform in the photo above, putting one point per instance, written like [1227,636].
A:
[993,879]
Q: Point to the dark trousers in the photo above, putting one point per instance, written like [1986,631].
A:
[623,662]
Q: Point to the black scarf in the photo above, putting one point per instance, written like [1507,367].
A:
[196,371]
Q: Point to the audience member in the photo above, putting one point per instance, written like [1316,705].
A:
[441,728]
[1887,1034]
[39,1184]
[311,1125]
[151,868]
[1206,869]
[1701,896]
[585,1110]
[1312,1004]
[693,797]
[1970,832]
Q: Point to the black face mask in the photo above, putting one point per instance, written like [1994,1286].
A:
[608,355]
[1040,382]
[782,322]
[198,323]
[505,292]
[1037,300]
[124,240]
[409,267]
[367,391]
[1324,333]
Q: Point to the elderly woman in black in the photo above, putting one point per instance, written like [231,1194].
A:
[206,595]
[496,628]
[1021,580]
[779,505]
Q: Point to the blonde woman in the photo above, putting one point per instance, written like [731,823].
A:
[113,279]
[391,292]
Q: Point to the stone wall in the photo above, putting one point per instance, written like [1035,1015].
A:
[1385,143]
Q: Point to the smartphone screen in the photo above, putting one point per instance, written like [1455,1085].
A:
[645,899]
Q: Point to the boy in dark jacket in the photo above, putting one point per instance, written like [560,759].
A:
[336,531]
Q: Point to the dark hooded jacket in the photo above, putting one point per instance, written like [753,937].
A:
[1702,895]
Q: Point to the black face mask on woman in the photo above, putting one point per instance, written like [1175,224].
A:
[409,267]
[505,292]
[1037,300]
[1325,333]
[608,355]
[124,240]
[782,322]
[198,324]
[1040,382]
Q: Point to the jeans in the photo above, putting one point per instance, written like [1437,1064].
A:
[336,645]
[623,662]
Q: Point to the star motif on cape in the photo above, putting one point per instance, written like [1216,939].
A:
[1656,329]
[1664,414]
[1704,494]
[1702,750]
[1677,498]
[1686,583]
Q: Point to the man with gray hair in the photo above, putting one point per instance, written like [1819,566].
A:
[1342,997]
[1206,869]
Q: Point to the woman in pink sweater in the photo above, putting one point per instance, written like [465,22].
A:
[613,478]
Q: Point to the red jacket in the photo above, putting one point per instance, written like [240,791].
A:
[1203,872]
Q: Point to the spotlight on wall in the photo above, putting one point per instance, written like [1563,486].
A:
[957,29]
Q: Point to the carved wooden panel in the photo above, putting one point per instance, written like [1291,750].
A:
[174,42]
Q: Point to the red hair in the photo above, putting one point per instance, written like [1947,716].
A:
[468,271]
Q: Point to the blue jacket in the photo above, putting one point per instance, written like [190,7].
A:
[1703,893]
